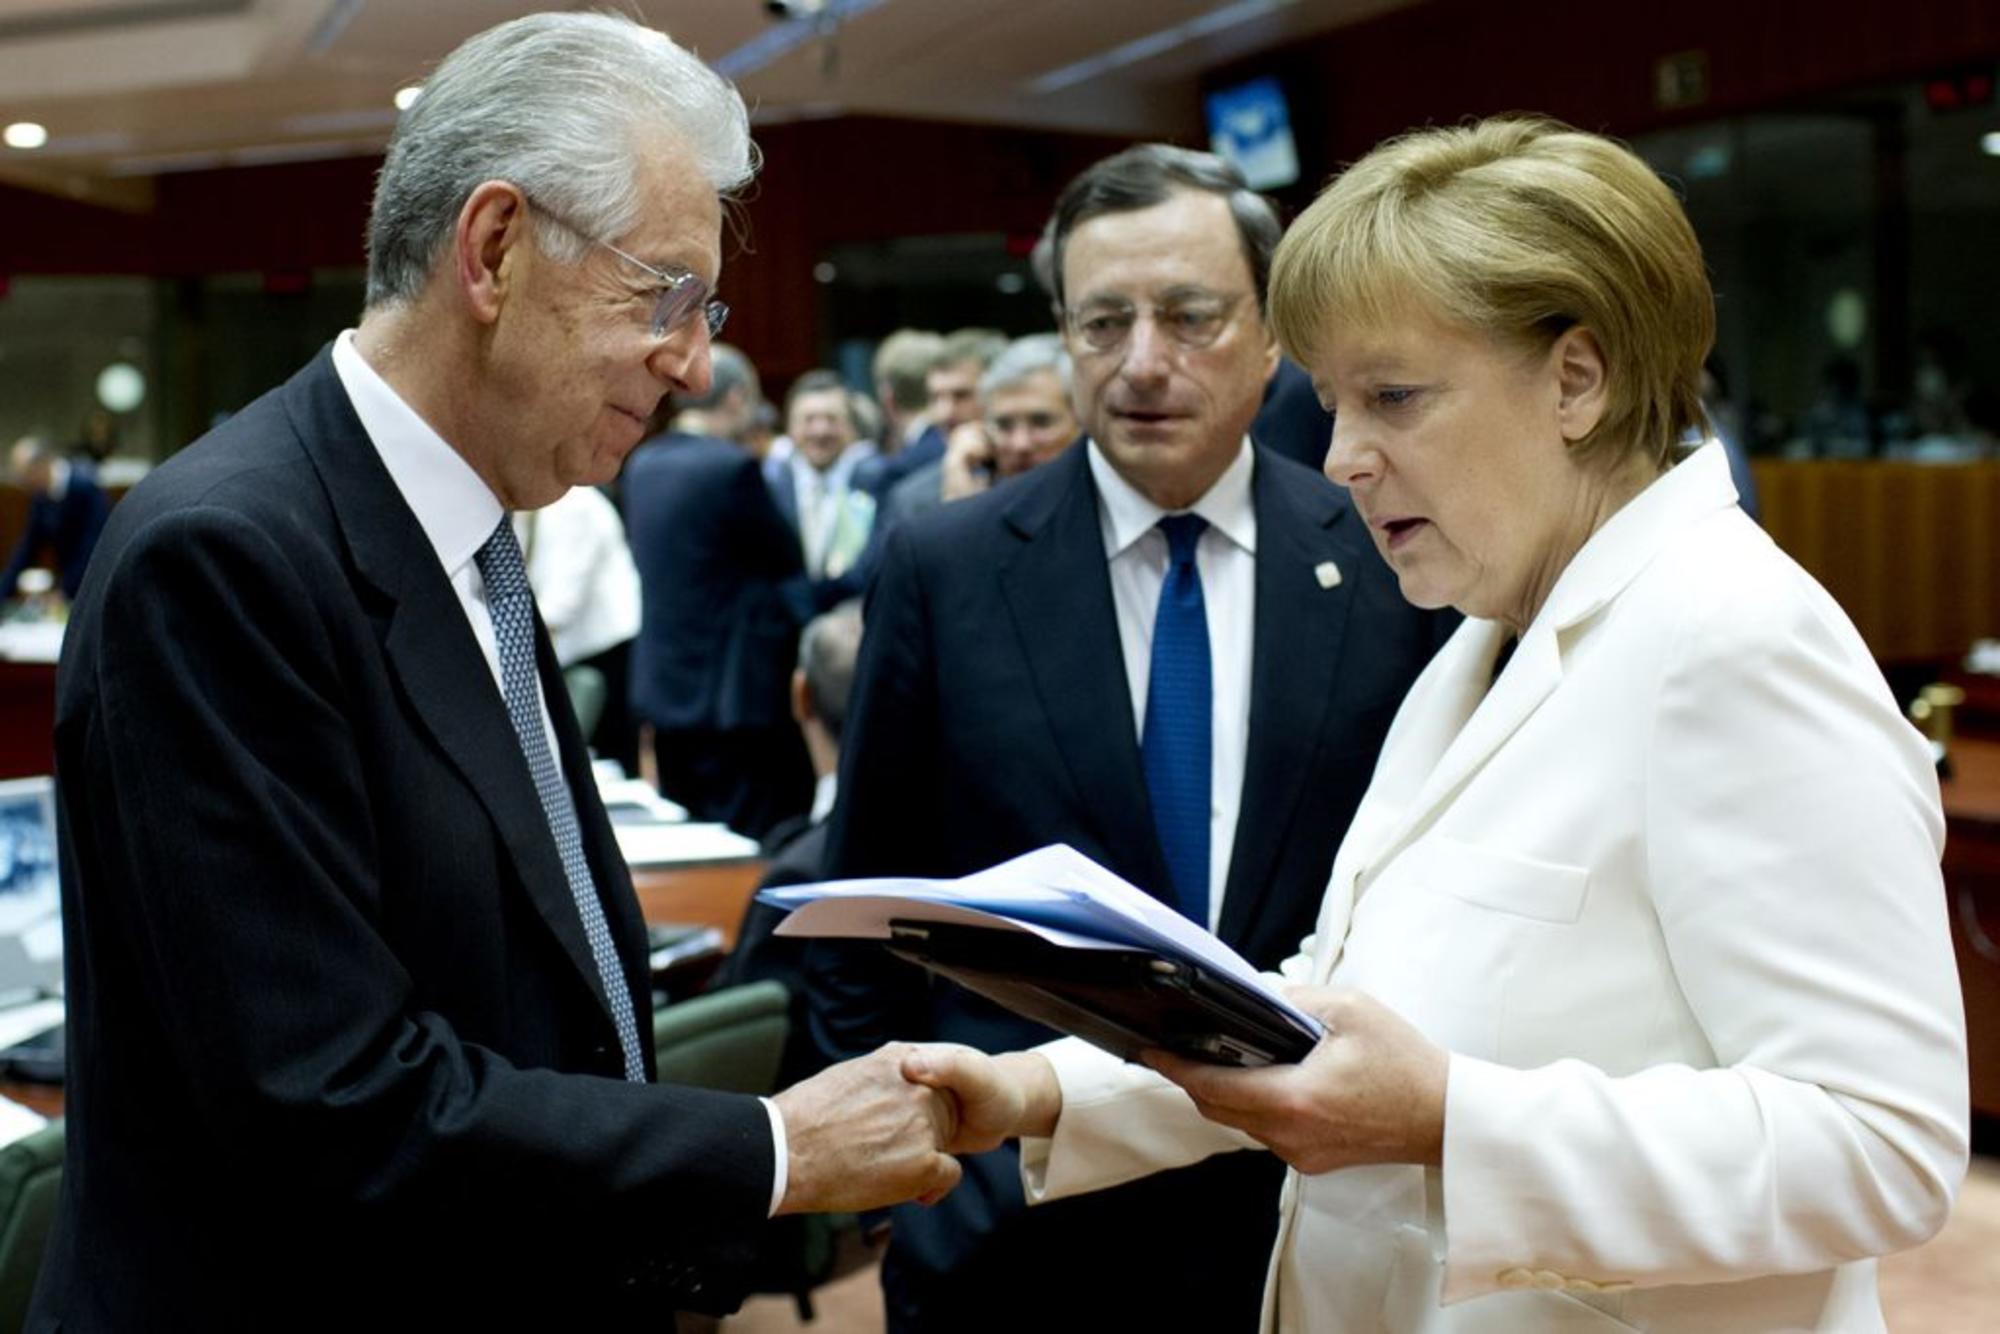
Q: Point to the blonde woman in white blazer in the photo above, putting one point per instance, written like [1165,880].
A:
[1641,1002]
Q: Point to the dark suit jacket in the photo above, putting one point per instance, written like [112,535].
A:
[339,1057]
[68,528]
[879,475]
[723,587]
[991,715]
[1291,421]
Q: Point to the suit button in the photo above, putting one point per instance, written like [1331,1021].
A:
[1515,1278]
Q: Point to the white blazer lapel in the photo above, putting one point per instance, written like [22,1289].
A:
[1436,710]
[1472,722]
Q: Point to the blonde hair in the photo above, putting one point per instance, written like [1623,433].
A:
[1521,228]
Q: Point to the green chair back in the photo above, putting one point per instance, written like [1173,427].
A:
[730,1039]
[30,1177]
[587,692]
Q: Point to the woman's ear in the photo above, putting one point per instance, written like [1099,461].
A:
[1582,384]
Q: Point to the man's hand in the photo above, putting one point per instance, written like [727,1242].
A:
[1372,1091]
[995,1098]
[968,462]
[861,1136]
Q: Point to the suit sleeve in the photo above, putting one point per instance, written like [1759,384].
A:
[247,881]
[859,995]
[1792,840]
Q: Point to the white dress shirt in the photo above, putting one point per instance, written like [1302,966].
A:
[458,512]
[1226,558]
[582,573]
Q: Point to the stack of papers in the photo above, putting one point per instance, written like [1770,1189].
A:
[1058,896]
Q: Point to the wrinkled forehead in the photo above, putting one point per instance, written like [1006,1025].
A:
[1187,242]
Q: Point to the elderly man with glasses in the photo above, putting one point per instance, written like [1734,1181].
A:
[1169,648]
[360,1025]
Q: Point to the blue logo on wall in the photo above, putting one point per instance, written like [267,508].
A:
[1250,126]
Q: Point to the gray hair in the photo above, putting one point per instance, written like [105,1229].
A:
[1147,175]
[828,648]
[554,103]
[1024,358]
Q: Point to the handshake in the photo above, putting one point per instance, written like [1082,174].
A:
[882,1129]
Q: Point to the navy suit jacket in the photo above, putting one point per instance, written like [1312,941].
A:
[339,1054]
[67,527]
[992,715]
[723,588]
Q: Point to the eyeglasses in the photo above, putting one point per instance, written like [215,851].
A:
[1191,321]
[681,294]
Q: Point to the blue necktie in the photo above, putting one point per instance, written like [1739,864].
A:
[513,609]
[1179,702]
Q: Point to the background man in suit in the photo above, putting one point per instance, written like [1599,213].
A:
[66,512]
[902,363]
[821,686]
[1174,651]
[723,593]
[817,488]
[359,1022]
[1025,419]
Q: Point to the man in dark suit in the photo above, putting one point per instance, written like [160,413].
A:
[1025,680]
[359,1017]
[723,593]
[66,512]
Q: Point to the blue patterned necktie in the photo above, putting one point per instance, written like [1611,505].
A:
[1179,703]
[513,609]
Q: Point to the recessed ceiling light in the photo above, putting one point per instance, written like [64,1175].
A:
[407,97]
[1991,143]
[25,134]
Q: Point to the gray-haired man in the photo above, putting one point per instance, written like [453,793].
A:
[360,1025]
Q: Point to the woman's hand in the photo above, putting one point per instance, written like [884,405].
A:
[995,1098]
[1372,1091]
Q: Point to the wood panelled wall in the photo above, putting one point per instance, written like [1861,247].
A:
[824,183]
[1911,551]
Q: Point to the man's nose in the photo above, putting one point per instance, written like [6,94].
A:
[682,357]
[1147,351]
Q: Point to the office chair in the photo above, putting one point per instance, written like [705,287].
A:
[588,693]
[730,1039]
[30,1175]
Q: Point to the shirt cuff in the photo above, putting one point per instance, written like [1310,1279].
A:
[781,1156]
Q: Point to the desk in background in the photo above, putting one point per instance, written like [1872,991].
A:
[28,698]
[1972,889]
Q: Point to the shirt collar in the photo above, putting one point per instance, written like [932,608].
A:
[825,792]
[59,470]
[456,509]
[1129,516]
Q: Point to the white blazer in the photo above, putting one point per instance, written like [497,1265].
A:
[1668,892]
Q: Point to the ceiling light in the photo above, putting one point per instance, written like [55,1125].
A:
[25,134]
[793,30]
[1991,143]
[1154,44]
[407,97]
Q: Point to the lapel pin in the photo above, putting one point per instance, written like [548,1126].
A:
[1327,573]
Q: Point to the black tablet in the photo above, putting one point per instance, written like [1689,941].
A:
[1122,1000]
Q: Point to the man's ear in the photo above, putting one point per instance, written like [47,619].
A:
[802,707]
[492,226]
[1583,385]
